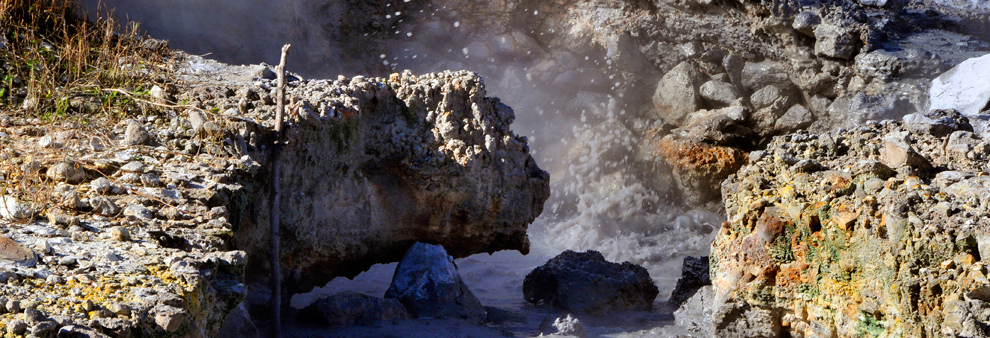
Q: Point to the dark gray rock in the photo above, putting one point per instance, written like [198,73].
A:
[797,117]
[694,275]
[677,94]
[939,123]
[426,282]
[586,283]
[354,308]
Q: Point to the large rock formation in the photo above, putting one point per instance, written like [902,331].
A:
[371,166]
[878,231]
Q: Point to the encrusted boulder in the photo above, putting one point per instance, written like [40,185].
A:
[584,282]
[824,239]
[372,165]
[426,282]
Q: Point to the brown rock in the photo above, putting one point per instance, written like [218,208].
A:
[14,252]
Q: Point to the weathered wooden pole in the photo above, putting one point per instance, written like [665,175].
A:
[273,249]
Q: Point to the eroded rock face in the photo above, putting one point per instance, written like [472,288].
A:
[585,282]
[873,231]
[371,166]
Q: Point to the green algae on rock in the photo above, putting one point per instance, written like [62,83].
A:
[880,238]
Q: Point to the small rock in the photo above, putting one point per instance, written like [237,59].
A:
[101,185]
[12,209]
[805,22]
[834,41]
[17,327]
[427,284]
[68,172]
[135,134]
[139,211]
[897,152]
[719,92]
[43,247]
[169,318]
[103,206]
[34,316]
[45,328]
[54,280]
[197,119]
[151,180]
[14,306]
[120,234]
[119,309]
[133,167]
[16,253]
[46,141]
[797,117]
[563,326]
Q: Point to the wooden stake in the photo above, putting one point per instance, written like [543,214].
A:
[273,208]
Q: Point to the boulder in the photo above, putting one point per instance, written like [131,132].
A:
[586,283]
[835,41]
[757,75]
[963,88]
[426,282]
[677,94]
[348,307]
[694,275]
[384,163]
[238,324]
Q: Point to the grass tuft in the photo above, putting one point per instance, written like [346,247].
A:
[54,63]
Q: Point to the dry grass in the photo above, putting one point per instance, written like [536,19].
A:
[55,64]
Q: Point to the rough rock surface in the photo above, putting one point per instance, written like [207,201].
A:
[869,232]
[71,263]
[371,166]
[426,282]
[694,276]
[586,283]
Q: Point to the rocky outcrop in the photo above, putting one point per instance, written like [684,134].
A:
[426,282]
[963,88]
[586,283]
[870,232]
[371,166]
[126,240]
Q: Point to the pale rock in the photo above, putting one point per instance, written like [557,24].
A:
[68,172]
[834,41]
[135,134]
